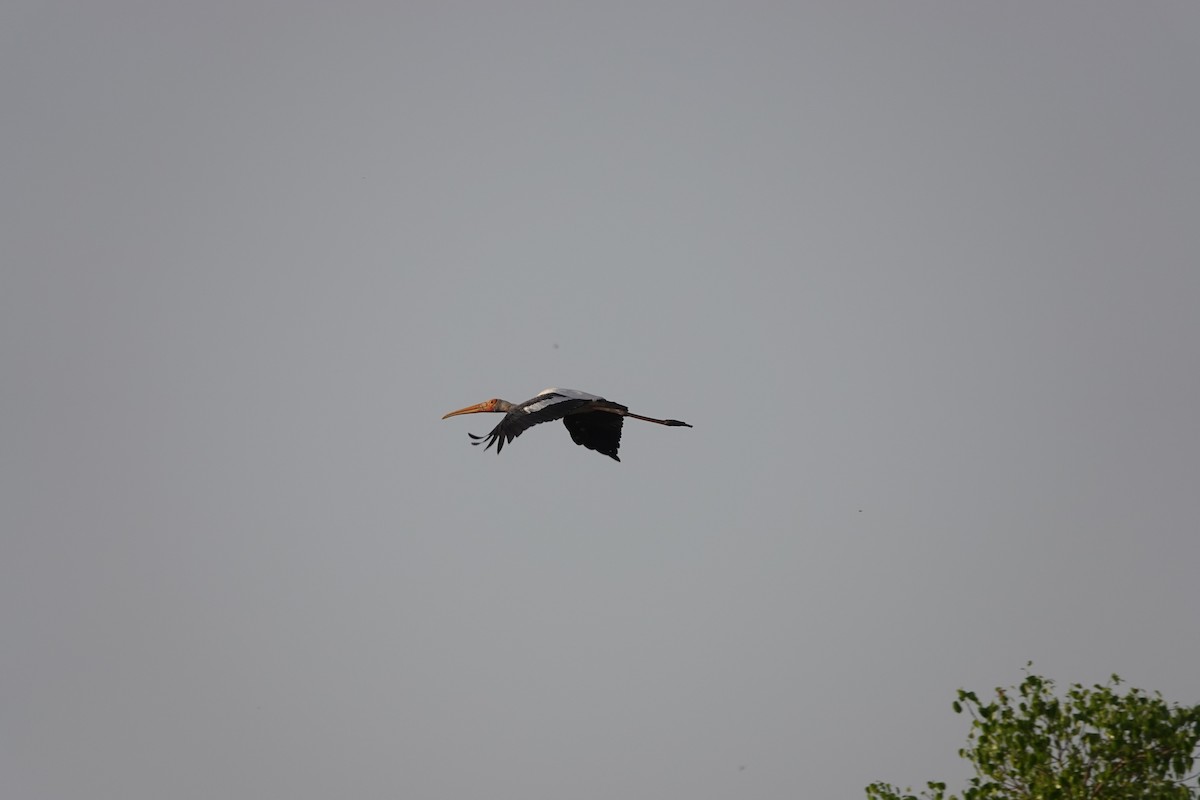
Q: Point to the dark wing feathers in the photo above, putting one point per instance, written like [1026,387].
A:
[520,419]
[596,430]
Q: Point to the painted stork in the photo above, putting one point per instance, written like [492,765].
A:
[592,421]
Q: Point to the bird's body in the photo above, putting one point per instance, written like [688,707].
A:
[592,421]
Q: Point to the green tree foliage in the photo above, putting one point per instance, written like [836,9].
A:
[1100,743]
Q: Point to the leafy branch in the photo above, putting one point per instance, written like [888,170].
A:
[1093,743]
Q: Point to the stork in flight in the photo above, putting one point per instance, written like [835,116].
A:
[592,421]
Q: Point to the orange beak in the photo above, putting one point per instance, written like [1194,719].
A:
[478,408]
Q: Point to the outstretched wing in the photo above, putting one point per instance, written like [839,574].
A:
[546,407]
[596,430]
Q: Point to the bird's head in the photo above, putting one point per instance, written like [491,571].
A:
[495,404]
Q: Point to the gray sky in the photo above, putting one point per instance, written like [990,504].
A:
[923,276]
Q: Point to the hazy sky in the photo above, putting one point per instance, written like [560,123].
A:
[924,276]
